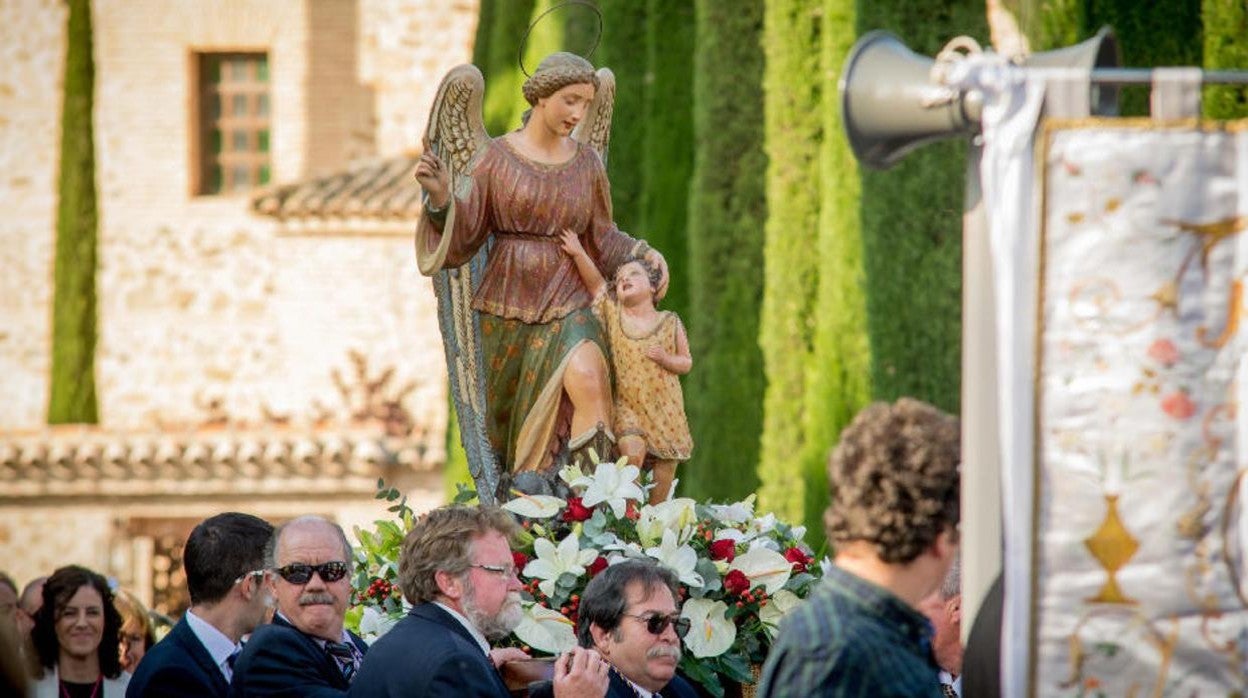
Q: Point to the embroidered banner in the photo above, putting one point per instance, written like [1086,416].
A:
[1141,532]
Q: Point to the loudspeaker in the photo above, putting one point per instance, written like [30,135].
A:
[890,105]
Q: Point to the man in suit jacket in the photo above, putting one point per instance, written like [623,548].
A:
[456,567]
[628,613]
[224,561]
[305,651]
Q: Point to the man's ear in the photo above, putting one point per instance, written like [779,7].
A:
[601,639]
[451,586]
[953,609]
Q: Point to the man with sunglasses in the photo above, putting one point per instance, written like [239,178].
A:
[456,567]
[628,613]
[305,650]
[222,560]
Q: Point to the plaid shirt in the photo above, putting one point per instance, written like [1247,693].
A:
[851,638]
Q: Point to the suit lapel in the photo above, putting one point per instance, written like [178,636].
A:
[435,614]
[329,665]
[184,636]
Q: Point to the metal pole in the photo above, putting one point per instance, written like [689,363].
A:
[981,445]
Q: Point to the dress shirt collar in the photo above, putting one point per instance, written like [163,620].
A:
[472,629]
[955,681]
[219,646]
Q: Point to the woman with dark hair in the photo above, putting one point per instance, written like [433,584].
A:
[76,635]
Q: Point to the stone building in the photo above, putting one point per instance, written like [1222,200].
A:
[266,343]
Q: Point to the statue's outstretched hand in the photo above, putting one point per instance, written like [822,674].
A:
[433,176]
[656,258]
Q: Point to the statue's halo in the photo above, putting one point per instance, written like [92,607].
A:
[525,40]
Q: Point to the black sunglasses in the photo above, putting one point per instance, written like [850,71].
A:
[299,573]
[656,623]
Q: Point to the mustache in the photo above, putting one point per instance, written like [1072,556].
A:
[314,598]
[658,651]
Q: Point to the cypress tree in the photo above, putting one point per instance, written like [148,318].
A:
[498,62]
[1226,47]
[912,230]
[793,93]
[727,209]
[72,391]
[839,382]
[668,149]
[623,51]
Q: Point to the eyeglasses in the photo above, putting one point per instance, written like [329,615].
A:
[507,571]
[251,573]
[299,573]
[656,623]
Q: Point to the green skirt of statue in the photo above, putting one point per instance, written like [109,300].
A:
[524,366]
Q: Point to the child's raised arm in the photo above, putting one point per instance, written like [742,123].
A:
[584,265]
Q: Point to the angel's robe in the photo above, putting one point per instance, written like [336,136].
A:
[534,306]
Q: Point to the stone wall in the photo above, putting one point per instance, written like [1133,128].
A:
[32,67]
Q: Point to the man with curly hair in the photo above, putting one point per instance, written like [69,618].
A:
[894,521]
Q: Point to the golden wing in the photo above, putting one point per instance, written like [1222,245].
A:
[595,129]
[456,134]
[456,129]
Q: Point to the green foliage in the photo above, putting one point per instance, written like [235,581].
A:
[1149,35]
[1226,47]
[456,474]
[793,123]
[498,62]
[912,231]
[72,391]
[623,36]
[839,368]
[668,147]
[727,209]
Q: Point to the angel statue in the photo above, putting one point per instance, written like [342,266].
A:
[525,354]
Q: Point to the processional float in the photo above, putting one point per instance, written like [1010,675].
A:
[1102,356]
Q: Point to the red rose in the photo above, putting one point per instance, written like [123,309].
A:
[632,512]
[798,558]
[597,566]
[723,550]
[735,582]
[519,559]
[576,511]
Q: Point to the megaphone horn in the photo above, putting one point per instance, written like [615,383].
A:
[890,105]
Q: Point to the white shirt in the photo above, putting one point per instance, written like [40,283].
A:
[472,629]
[219,646]
[946,677]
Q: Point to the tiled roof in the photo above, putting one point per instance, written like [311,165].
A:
[378,190]
[94,462]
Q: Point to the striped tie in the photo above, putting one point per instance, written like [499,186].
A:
[344,654]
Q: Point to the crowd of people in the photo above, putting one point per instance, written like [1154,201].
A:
[268,605]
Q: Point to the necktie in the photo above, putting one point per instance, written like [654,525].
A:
[947,691]
[344,654]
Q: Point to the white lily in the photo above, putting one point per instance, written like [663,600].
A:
[545,629]
[374,624]
[711,633]
[679,515]
[551,562]
[535,506]
[778,606]
[738,512]
[571,474]
[764,567]
[681,559]
[613,483]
